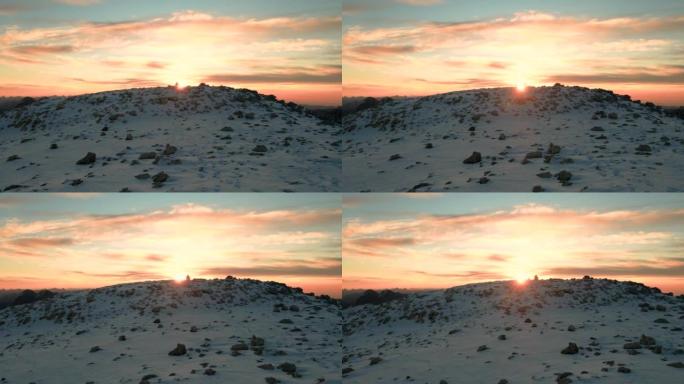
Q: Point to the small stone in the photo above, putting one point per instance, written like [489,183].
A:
[476,157]
[89,158]
[160,177]
[179,350]
[571,349]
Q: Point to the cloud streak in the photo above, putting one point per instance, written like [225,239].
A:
[85,249]
[628,54]
[432,250]
[186,46]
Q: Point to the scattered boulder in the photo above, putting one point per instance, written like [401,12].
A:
[564,176]
[89,158]
[571,349]
[160,177]
[178,351]
[288,368]
[474,158]
[169,150]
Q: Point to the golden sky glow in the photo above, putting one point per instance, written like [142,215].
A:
[453,239]
[49,48]
[428,47]
[70,241]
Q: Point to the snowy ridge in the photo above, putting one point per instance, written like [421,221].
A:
[202,138]
[503,332]
[523,140]
[230,330]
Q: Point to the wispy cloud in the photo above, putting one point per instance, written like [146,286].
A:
[523,240]
[196,239]
[187,46]
[463,54]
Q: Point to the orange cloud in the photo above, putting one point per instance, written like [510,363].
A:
[188,47]
[537,47]
[446,249]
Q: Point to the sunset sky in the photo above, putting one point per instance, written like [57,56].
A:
[287,48]
[90,240]
[418,47]
[439,241]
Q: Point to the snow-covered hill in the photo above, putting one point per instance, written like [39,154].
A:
[581,330]
[220,331]
[164,139]
[545,139]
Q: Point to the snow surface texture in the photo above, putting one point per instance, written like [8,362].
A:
[500,332]
[605,142]
[234,331]
[201,138]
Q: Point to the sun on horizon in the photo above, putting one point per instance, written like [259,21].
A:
[425,48]
[288,50]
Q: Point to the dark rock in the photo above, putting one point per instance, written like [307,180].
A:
[288,368]
[260,149]
[160,177]
[571,349]
[169,150]
[178,351]
[647,340]
[534,155]
[476,157]
[89,158]
[564,176]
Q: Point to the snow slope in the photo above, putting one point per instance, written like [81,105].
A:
[420,144]
[123,333]
[502,332]
[225,139]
